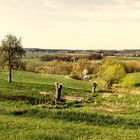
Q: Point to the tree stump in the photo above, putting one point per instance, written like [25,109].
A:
[58,88]
[94,85]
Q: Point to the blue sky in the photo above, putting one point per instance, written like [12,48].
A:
[73,24]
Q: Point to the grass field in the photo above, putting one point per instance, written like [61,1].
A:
[101,116]
[126,58]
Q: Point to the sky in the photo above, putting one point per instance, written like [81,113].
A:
[72,24]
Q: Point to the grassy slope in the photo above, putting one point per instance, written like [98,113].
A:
[31,83]
[137,78]
[106,117]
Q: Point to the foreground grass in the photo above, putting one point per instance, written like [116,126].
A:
[66,124]
[100,116]
[21,120]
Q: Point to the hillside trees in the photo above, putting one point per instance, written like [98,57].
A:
[11,53]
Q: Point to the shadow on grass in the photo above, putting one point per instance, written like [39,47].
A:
[51,137]
[31,100]
[137,84]
[89,118]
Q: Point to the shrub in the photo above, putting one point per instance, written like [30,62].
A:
[30,66]
[131,66]
[95,56]
[111,73]
[79,67]
[128,82]
[95,67]
[75,75]
[59,67]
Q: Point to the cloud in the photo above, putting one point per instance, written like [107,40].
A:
[91,3]
[75,10]
[114,11]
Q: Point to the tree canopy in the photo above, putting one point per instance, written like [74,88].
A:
[11,53]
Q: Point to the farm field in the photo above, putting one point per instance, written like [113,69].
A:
[25,115]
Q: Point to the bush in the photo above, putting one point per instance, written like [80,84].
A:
[30,66]
[95,56]
[95,67]
[128,82]
[131,66]
[59,67]
[80,66]
[111,73]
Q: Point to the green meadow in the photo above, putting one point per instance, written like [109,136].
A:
[99,116]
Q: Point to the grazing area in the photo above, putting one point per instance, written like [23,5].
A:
[26,113]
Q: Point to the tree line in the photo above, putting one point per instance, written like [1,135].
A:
[71,58]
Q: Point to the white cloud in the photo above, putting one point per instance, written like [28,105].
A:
[74,4]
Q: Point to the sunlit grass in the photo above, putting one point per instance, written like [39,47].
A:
[103,116]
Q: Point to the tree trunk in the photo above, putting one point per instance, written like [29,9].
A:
[10,74]
[58,87]
[94,85]
[109,86]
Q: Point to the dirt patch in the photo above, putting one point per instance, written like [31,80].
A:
[15,97]
[135,91]
[113,108]
[106,95]
[67,77]
[73,98]
[127,91]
